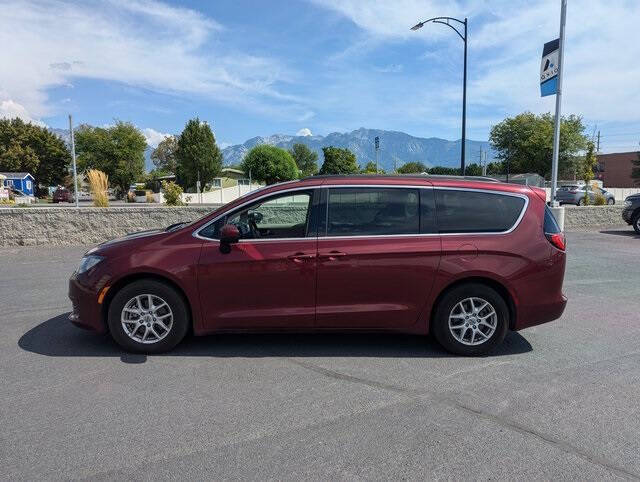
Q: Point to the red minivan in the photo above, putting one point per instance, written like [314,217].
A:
[463,259]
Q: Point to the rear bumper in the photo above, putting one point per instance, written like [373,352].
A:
[87,312]
[541,313]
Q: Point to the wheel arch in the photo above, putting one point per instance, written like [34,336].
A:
[125,280]
[500,288]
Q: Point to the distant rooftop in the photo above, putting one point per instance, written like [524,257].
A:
[14,175]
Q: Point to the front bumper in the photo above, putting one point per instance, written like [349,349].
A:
[87,312]
[627,213]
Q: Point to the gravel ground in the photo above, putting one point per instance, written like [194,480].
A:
[557,401]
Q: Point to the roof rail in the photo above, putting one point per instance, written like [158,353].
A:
[411,176]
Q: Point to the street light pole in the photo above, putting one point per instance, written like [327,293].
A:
[446,21]
[464,104]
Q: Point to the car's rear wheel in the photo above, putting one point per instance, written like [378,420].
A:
[471,319]
[611,201]
[581,202]
[635,222]
[148,316]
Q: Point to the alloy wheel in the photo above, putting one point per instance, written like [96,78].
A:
[146,318]
[473,321]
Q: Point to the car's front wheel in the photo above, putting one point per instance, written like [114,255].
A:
[611,201]
[471,319]
[148,316]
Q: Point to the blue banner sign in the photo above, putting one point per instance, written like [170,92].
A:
[549,68]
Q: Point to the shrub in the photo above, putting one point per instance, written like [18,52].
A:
[599,200]
[150,198]
[98,185]
[172,193]
[131,198]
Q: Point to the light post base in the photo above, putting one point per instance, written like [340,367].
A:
[558,213]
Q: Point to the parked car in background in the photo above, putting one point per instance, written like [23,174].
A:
[631,211]
[464,260]
[574,194]
[62,195]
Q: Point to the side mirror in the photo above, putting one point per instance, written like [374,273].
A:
[229,234]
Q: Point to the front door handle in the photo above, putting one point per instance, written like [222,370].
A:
[333,255]
[300,257]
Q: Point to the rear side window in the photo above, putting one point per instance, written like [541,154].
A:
[550,223]
[476,212]
[373,211]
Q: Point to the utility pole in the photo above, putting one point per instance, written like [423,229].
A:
[556,127]
[598,148]
[377,146]
[73,158]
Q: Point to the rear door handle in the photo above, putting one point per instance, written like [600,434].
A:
[333,255]
[300,257]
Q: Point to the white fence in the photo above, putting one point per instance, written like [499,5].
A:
[216,196]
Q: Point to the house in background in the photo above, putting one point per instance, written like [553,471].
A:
[230,177]
[21,181]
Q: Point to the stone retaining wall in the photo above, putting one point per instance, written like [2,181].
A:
[70,226]
[588,217]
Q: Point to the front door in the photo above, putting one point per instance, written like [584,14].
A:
[378,259]
[268,279]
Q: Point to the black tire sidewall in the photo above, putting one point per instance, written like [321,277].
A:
[635,222]
[164,291]
[440,323]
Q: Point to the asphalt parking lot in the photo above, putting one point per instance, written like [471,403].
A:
[557,401]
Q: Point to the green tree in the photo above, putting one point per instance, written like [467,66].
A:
[370,168]
[338,161]
[586,165]
[29,148]
[305,158]
[525,142]
[444,171]
[270,164]
[117,150]
[473,169]
[164,156]
[197,154]
[414,167]
[635,170]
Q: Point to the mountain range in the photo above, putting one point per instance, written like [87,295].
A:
[396,148]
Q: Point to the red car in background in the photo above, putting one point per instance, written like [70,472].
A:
[465,260]
[62,195]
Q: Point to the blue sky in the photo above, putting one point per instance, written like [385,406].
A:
[263,67]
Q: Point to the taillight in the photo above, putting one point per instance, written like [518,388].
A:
[558,240]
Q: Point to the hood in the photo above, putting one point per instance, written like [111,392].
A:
[133,236]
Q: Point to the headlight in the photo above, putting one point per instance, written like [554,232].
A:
[88,262]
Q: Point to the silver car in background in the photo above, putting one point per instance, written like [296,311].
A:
[574,194]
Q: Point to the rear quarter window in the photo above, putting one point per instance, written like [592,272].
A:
[460,211]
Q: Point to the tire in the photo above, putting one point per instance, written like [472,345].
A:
[161,329]
[635,222]
[611,201]
[580,202]
[450,305]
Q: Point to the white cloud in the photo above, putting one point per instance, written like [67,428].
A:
[602,76]
[305,131]
[10,109]
[142,43]
[154,137]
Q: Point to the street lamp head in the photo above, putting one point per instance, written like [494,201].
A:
[417,26]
